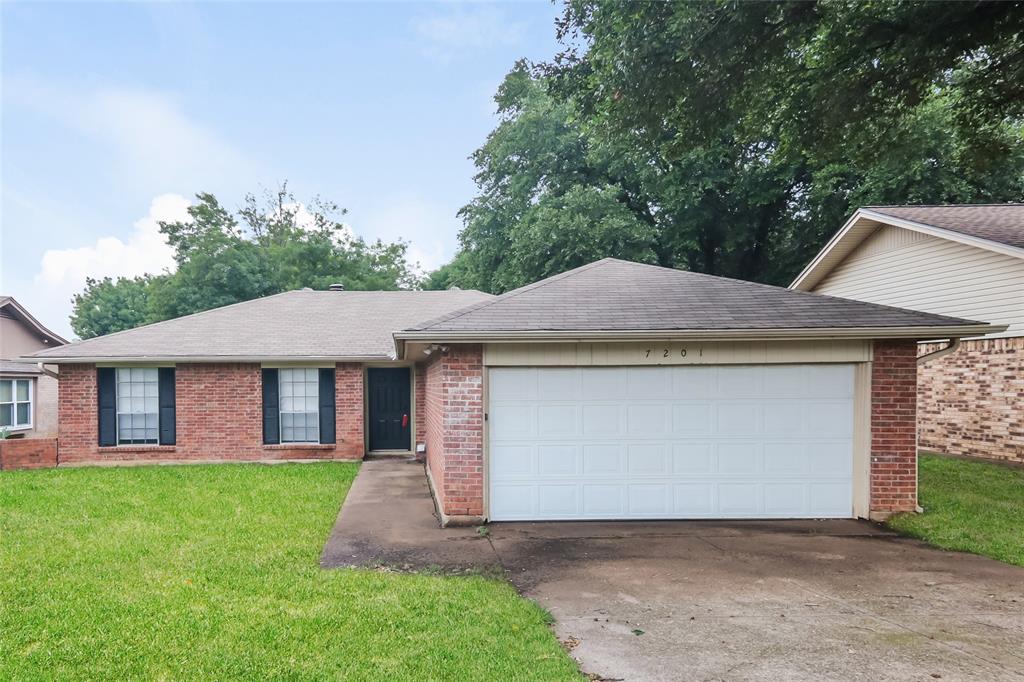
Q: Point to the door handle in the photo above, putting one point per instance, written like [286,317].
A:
[405,420]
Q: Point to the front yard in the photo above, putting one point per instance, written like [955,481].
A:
[969,506]
[210,572]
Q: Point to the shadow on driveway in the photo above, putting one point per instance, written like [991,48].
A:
[679,600]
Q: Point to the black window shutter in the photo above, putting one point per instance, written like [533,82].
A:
[271,408]
[327,405]
[106,395]
[168,417]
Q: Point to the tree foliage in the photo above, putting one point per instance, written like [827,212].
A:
[734,138]
[271,244]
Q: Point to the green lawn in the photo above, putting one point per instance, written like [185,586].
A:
[969,506]
[210,572]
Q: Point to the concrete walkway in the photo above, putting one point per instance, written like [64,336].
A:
[677,600]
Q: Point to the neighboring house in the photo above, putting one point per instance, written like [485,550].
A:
[612,391]
[28,394]
[963,261]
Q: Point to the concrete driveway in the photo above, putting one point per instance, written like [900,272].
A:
[717,601]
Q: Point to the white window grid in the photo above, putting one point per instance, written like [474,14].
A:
[15,403]
[299,398]
[138,406]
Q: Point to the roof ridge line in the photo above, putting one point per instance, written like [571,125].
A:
[510,294]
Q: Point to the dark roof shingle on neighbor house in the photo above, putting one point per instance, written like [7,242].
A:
[616,295]
[1000,223]
[301,324]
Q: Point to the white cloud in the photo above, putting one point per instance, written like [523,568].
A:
[462,29]
[151,142]
[62,272]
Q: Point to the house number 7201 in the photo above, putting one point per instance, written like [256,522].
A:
[667,352]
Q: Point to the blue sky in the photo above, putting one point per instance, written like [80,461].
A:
[115,114]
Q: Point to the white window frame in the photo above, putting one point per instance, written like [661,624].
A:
[14,426]
[281,412]
[118,412]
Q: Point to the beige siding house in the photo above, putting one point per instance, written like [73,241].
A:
[965,261]
[28,393]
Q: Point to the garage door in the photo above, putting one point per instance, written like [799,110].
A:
[737,441]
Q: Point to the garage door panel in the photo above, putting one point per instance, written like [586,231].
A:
[693,382]
[692,458]
[647,459]
[557,420]
[603,459]
[558,500]
[512,461]
[602,420]
[558,460]
[649,500]
[603,383]
[647,419]
[647,383]
[829,381]
[585,449]
[691,418]
[737,419]
[603,500]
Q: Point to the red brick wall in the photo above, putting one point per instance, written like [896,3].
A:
[894,427]
[971,402]
[28,453]
[454,429]
[219,417]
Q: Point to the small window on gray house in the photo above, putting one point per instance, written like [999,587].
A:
[138,405]
[15,403]
[300,410]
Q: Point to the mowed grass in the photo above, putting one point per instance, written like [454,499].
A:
[969,506]
[211,572]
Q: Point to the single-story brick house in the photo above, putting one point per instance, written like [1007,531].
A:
[960,260]
[612,391]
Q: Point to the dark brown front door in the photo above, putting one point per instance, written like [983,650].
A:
[389,405]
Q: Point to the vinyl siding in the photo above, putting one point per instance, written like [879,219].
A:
[911,270]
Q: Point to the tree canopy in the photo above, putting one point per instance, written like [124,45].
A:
[271,244]
[734,138]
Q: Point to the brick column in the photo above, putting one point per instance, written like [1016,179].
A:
[893,428]
[454,420]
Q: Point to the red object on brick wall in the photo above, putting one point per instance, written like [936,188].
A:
[454,425]
[28,453]
[219,418]
[971,402]
[894,427]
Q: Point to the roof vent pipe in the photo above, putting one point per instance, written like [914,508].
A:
[337,287]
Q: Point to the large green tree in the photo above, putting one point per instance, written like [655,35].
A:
[272,244]
[738,136]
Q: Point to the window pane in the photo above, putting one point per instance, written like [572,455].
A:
[124,374]
[124,390]
[6,394]
[23,413]
[311,404]
[152,389]
[137,374]
[22,392]
[311,375]
[286,389]
[151,405]
[288,435]
[149,374]
[6,412]
[151,421]
[151,434]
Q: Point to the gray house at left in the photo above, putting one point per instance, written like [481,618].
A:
[28,391]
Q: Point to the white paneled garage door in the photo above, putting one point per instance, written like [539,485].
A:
[731,441]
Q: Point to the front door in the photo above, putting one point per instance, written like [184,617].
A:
[390,415]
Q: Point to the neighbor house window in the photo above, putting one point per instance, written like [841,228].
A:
[300,407]
[15,403]
[138,405]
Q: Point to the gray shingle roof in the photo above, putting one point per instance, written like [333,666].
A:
[299,324]
[12,367]
[616,295]
[1000,223]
